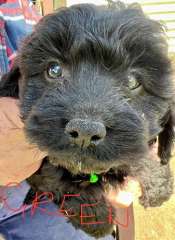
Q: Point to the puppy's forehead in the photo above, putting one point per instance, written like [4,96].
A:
[95,32]
[114,39]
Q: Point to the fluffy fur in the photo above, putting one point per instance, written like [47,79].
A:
[100,51]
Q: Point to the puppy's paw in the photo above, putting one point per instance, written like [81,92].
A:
[157,188]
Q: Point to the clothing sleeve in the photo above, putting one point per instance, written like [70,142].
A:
[17,19]
[37,221]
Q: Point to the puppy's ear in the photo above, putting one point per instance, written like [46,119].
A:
[166,138]
[9,83]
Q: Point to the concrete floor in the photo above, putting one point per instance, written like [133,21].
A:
[156,223]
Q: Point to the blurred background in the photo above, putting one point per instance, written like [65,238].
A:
[155,223]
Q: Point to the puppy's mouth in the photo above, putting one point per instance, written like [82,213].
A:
[111,176]
[104,181]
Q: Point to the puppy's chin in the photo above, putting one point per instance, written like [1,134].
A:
[78,166]
[92,201]
[97,194]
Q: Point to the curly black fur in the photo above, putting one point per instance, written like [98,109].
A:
[100,50]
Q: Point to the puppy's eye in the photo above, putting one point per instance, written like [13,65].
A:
[133,83]
[54,70]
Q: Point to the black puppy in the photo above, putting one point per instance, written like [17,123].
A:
[96,90]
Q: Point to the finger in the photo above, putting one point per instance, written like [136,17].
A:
[121,199]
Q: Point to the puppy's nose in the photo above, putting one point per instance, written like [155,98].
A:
[85,132]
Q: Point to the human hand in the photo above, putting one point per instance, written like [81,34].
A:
[123,196]
[18,158]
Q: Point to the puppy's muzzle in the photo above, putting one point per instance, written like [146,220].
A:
[84,132]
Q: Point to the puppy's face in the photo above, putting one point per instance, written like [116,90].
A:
[95,92]
[95,86]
